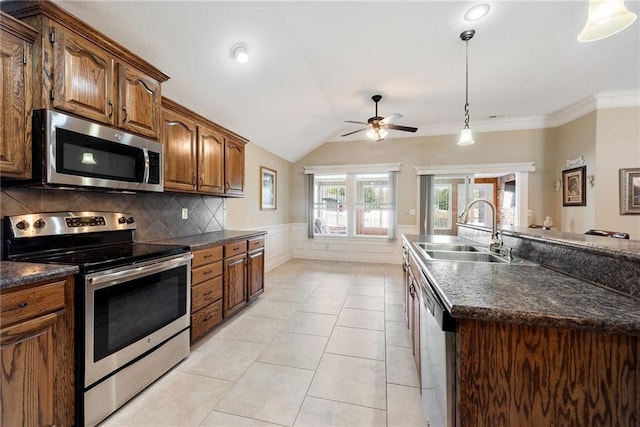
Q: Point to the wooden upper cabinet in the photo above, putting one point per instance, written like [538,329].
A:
[139,102]
[219,166]
[179,139]
[79,70]
[83,76]
[16,96]
[234,167]
[210,160]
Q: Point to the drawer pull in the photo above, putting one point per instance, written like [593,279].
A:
[208,317]
[209,292]
[17,307]
[207,272]
[236,248]
[209,256]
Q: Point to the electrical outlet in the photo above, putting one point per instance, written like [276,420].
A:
[412,212]
[185,213]
[530,213]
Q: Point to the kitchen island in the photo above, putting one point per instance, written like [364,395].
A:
[533,345]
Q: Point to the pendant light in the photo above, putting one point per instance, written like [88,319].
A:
[466,137]
[606,18]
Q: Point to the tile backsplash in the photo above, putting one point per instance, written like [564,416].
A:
[158,215]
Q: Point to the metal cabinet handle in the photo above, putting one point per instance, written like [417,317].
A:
[194,179]
[17,307]
[124,119]
[110,108]
[209,292]
[201,181]
[226,186]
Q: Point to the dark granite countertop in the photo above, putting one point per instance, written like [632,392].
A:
[528,294]
[13,274]
[607,246]
[200,241]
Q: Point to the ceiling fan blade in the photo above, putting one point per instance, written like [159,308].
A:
[392,118]
[355,131]
[358,123]
[398,127]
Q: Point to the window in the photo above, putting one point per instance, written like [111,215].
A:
[352,204]
[442,217]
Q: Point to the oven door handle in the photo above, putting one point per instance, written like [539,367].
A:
[131,272]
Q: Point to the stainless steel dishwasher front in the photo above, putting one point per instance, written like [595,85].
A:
[437,359]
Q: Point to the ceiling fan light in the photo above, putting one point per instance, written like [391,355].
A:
[606,18]
[466,137]
[476,12]
[377,134]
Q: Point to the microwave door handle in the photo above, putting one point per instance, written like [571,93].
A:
[137,272]
[147,167]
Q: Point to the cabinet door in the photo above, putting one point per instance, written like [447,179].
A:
[84,81]
[210,161]
[15,115]
[256,273]
[234,168]
[179,140]
[235,284]
[28,372]
[139,102]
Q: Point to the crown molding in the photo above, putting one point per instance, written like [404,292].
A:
[598,101]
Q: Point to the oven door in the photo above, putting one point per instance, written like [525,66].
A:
[131,310]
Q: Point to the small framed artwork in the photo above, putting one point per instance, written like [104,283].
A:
[268,188]
[574,187]
[630,191]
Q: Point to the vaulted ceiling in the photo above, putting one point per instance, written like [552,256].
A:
[315,64]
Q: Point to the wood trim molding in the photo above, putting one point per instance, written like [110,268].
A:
[17,28]
[22,9]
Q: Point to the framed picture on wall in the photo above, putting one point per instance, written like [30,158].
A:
[268,188]
[574,187]
[630,191]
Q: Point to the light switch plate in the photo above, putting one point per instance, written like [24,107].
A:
[185,213]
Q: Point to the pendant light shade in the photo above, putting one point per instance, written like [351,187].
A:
[606,18]
[466,137]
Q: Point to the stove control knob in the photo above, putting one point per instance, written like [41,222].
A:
[22,225]
[39,223]
[122,220]
[130,220]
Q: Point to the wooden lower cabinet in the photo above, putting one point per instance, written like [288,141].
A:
[206,291]
[36,336]
[524,375]
[255,268]
[235,284]
[224,280]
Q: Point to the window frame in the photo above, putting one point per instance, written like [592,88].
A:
[353,205]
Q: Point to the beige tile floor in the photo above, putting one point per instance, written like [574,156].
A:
[325,345]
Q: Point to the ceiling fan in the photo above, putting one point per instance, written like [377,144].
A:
[377,126]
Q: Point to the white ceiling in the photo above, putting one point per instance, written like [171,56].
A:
[315,64]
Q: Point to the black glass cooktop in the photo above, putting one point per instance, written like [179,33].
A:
[105,257]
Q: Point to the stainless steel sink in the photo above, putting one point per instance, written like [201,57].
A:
[427,246]
[465,256]
[466,253]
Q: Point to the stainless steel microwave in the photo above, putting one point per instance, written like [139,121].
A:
[73,152]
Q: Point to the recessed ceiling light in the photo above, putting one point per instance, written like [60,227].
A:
[240,52]
[476,12]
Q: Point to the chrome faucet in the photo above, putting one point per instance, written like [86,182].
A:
[496,236]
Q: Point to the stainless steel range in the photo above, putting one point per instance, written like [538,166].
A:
[131,301]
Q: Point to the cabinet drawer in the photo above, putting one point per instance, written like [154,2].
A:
[28,303]
[256,243]
[231,249]
[203,320]
[206,272]
[204,256]
[205,293]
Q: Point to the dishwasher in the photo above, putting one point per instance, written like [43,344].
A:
[437,358]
